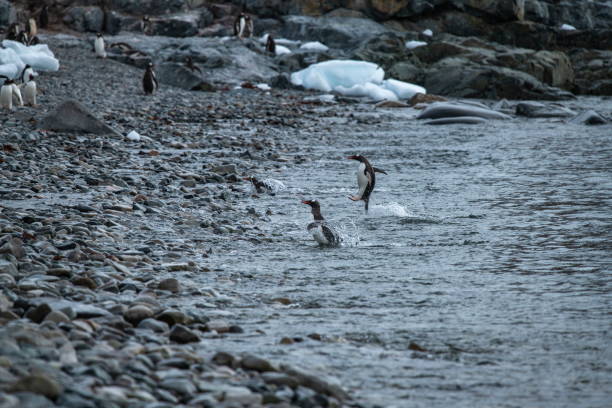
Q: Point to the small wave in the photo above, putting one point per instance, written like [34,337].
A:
[394,209]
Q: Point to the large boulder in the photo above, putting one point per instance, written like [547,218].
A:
[551,67]
[150,7]
[593,71]
[85,19]
[7,13]
[177,25]
[335,32]
[71,116]
[457,78]
[174,74]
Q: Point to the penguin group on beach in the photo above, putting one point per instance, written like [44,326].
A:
[10,92]
[324,233]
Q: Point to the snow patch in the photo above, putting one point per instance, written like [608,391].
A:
[403,90]
[427,32]
[414,44]
[568,27]
[263,87]
[280,50]
[314,46]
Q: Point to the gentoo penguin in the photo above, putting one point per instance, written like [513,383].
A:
[366,179]
[26,73]
[321,231]
[6,93]
[43,17]
[149,81]
[191,65]
[31,28]
[23,37]
[33,41]
[260,186]
[29,91]
[271,45]
[146,25]
[243,26]
[99,46]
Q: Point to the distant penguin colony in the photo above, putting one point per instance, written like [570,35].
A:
[99,46]
[366,180]
[149,81]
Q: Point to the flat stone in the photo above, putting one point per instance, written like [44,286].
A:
[153,324]
[172,317]
[71,116]
[251,362]
[170,284]
[182,335]
[136,314]
[57,317]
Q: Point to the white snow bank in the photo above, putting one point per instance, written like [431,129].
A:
[353,78]
[283,41]
[263,86]
[427,32]
[568,27]
[314,46]
[39,56]
[414,44]
[280,50]
[10,63]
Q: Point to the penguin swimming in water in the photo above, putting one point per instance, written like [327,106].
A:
[43,17]
[99,46]
[149,81]
[243,26]
[271,45]
[6,93]
[321,231]
[366,179]
[29,91]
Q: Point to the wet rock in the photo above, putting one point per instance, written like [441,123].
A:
[226,359]
[540,110]
[13,246]
[251,362]
[137,313]
[38,384]
[177,25]
[73,117]
[589,117]
[316,382]
[180,386]
[218,325]
[279,379]
[178,75]
[150,7]
[57,317]
[155,325]
[7,267]
[38,313]
[449,110]
[182,335]
[172,317]
[170,284]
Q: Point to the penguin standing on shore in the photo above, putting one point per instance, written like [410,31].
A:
[29,92]
[32,28]
[366,180]
[99,46]
[149,81]
[43,17]
[243,26]
[321,231]
[26,73]
[146,25]
[6,93]
[271,45]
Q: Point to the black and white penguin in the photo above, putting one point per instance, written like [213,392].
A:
[26,73]
[6,93]
[149,81]
[192,66]
[146,25]
[43,17]
[260,186]
[23,37]
[13,32]
[271,45]
[31,28]
[99,46]
[33,41]
[29,92]
[243,26]
[321,231]
[366,179]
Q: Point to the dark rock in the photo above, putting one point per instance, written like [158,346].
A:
[73,117]
[8,15]
[137,313]
[452,110]
[155,325]
[150,7]
[589,117]
[37,314]
[465,120]
[315,382]
[85,19]
[178,25]
[173,317]
[226,359]
[39,384]
[170,284]
[540,110]
[178,75]
[251,362]
[182,335]
[335,32]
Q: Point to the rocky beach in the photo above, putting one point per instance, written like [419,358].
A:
[138,267]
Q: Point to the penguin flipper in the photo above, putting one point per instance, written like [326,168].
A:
[377,170]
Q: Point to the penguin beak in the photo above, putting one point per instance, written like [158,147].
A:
[352,157]
[307,202]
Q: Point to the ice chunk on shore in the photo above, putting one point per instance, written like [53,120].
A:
[414,44]
[403,90]
[314,46]
[427,32]
[280,50]
[133,136]
[568,27]
[10,63]
[263,86]
[353,78]
[326,76]
[39,56]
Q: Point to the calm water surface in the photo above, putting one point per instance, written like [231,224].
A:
[488,246]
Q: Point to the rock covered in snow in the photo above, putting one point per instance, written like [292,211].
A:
[353,78]
[414,44]
[281,50]
[314,46]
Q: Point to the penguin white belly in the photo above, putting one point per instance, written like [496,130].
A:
[6,96]
[319,236]
[17,95]
[99,47]
[242,27]
[362,181]
[29,93]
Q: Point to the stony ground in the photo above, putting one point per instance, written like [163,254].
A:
[91,263]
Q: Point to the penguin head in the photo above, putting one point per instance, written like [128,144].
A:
[312,203]
[98,35]
[358,158]
[150,65]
